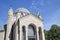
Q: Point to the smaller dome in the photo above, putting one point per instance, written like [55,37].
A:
[22,10]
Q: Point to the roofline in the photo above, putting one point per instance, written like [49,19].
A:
[32,15]
[1,30]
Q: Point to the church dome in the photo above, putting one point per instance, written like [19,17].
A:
[22,10]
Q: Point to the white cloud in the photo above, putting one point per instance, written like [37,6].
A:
[37,4]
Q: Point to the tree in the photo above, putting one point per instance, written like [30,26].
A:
[55,30]
[53,33]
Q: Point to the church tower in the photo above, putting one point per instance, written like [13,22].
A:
[9,23]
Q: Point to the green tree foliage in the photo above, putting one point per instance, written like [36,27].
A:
[53,33]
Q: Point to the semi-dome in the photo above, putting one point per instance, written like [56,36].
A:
[24,10]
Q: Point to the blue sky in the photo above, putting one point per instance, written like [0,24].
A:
[49,10]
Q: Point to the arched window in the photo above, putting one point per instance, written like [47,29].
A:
[31,32]
[23,32]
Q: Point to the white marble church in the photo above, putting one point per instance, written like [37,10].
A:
[22,25]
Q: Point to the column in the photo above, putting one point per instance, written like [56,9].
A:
[16,32]
[20,30]
[42,34]
[20,33]
[37,33]
[26,32]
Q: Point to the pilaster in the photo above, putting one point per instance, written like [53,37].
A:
[42,34]
[37,33]
[26,32]
[16,32]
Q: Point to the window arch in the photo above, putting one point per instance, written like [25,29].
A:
[31,32]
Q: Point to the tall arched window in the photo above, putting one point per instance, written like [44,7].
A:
[31,32]
[23,32]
